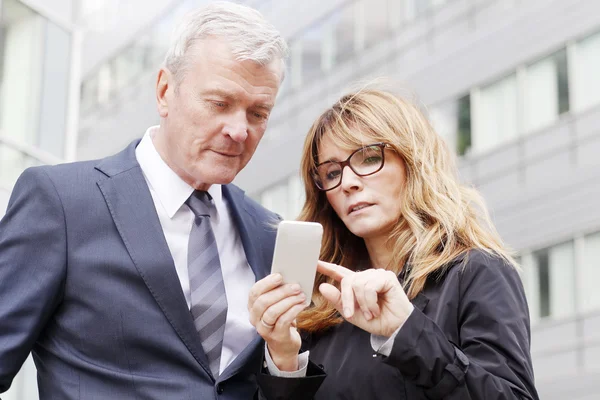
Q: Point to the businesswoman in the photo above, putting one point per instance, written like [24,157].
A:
[417,297]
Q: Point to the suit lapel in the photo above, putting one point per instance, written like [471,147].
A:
[257,243]
[132,208]
[251,230]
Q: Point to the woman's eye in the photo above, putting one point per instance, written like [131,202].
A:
[332,175]
[372,160]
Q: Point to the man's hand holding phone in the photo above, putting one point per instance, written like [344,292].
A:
[273,308]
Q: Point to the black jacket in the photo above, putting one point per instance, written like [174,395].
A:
[467,338]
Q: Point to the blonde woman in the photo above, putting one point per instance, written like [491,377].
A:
[417,298]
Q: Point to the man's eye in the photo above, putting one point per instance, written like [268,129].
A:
[259,115]
[218,104]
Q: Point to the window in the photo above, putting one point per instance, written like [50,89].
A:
[541,259]
[22,43]
[546,91]
[35,77]
[586,77]
[496,114]
[589,295]
[555,292]
[452,121]
[463,140]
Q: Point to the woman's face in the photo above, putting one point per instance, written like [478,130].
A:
[369,205]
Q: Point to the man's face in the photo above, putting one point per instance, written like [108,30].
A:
[212,122]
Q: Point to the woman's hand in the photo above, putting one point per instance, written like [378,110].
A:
[373,299]
[273,308]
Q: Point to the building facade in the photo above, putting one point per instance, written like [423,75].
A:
[39,94]
[512,85]
[37,78]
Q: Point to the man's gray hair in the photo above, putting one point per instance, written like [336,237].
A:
[249,35]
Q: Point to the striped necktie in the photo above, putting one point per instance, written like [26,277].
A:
[208,298]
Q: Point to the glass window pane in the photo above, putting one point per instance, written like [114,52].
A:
[453,122]
[531,282]
[22,42]
[586,77]
[55,90]
[562,280]
[543,274]
[589,295]
[546,91]
[496,120]
[463,140]
[445,122]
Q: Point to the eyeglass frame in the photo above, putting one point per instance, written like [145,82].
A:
[346,162]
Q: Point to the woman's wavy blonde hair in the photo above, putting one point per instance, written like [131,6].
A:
[440,218]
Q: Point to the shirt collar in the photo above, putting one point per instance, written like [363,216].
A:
[171,190]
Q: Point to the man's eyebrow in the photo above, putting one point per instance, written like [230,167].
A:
[265,106]
[218,92]
[230,96]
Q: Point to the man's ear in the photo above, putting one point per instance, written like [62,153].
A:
[164,87]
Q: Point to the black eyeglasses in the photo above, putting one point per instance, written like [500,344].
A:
[365,161]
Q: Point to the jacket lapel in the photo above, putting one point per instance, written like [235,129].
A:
[258,238]
[252,232]
[132,208]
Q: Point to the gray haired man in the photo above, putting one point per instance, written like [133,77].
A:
[128,277]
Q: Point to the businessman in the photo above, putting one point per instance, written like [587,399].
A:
[128,277]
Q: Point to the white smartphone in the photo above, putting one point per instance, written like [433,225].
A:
[297,249]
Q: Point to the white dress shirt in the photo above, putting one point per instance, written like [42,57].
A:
[169,193]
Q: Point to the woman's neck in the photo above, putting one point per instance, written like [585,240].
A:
[380,254]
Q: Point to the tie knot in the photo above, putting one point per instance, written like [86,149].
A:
[200,203]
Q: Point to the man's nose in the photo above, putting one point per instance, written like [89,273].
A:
[237,127]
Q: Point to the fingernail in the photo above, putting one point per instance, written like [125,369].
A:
[347,312]
[296,287]
[368,316]
[278,278]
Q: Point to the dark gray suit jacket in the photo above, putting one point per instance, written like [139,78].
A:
[87,283]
